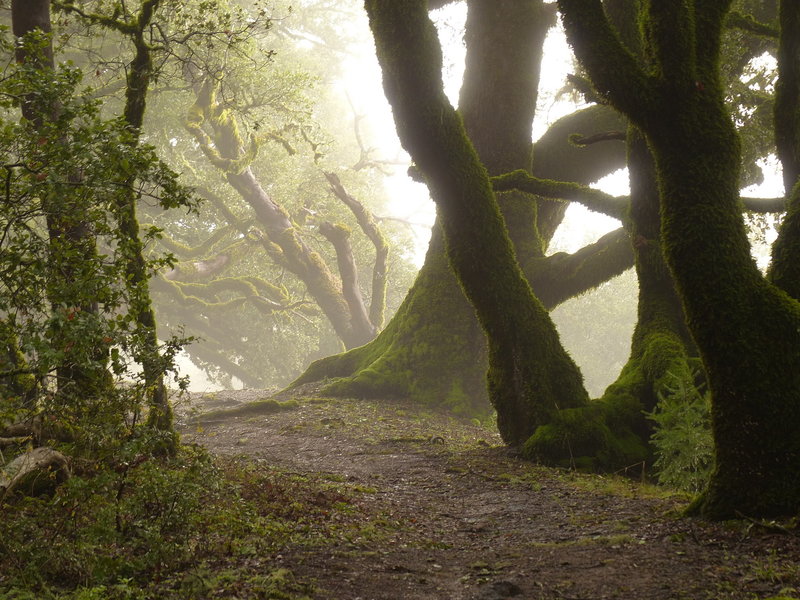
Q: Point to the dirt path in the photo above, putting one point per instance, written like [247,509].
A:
[448,513]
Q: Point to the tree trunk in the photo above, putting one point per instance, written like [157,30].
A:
[72,243]
[140,72]
[612,433]
[433,350]
[785,268]
[530,375]
[747,330]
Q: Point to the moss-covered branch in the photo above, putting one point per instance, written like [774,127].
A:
[562,276]
[556,157]
[763,205]
[116,21]
[187,252]
[670,29]
[615,71]
[739,20]
[207,296]
[710,20]
[596,200]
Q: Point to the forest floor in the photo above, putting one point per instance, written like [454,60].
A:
[415,504]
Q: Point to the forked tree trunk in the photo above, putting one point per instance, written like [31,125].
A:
[530,375]
[747,330]
[612,433]
[433,350]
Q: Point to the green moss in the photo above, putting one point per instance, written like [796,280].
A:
[266,406]
[431,347]
[20,387]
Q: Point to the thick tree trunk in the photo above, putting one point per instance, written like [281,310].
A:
[747,330]
[433,350]
[785,268]
[530,375]
[612,432]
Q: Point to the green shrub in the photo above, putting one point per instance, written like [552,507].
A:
[144,527]
[682,440]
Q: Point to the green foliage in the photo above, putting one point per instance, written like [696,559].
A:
[682,439]
[142,527]
[66,296]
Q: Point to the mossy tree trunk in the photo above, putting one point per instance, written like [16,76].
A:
[747,330]
[785,268]
[530,375]
[433,350]
[497,102]
[612,433]
[140,73]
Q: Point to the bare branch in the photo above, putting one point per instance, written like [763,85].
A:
[366,220]
[339,237]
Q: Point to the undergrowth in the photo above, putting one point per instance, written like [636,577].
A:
[187,527]
[682,439]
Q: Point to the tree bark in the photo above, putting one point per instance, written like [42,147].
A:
[747,330]
[785,267]
[530,376]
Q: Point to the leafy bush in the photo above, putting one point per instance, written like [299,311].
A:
[69,307]
[682,440]
[148,527]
